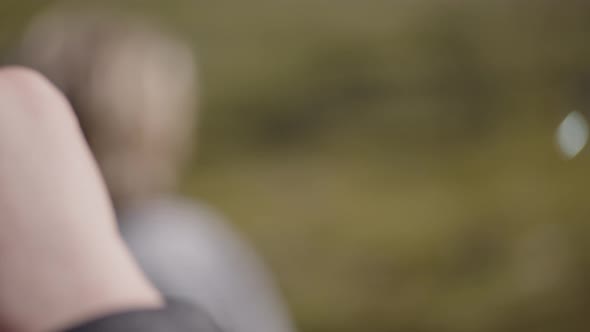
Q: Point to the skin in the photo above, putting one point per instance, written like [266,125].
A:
[61,258]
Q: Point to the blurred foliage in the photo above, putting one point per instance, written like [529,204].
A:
[394,160]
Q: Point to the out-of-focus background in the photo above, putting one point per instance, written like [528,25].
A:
[401,165]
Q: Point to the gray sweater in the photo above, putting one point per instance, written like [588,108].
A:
[190,253]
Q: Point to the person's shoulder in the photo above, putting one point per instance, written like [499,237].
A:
[190,251]
[174,221]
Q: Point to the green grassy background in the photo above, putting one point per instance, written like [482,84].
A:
[394,161]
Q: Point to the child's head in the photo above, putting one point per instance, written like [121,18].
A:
[133,89]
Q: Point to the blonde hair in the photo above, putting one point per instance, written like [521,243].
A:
[132,87]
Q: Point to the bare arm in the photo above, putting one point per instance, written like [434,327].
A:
[61,259]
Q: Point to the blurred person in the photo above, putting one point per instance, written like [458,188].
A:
[133,90]
[63,264]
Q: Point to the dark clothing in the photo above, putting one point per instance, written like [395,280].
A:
[175,317]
